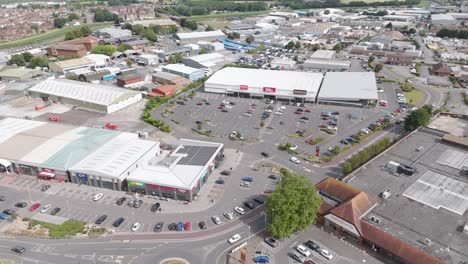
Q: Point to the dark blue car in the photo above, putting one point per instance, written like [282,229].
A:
[180,226]
[248,179]
[219,181]
[261,259]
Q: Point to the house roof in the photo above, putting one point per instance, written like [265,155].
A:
[85,40]
[129,77]
[408,253]
[441,68]
[67,47]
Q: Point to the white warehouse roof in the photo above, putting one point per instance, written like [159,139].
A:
[323,54]
[283,81]
[348,86]
[85,92]
[201,35]
[181,68]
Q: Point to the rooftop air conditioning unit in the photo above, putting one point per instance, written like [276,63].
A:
[385,194]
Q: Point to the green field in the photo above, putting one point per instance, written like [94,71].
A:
[228,15]
[414,97]
[367,1]
[48,37]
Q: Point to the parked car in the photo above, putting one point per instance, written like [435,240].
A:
[273,177]
[158,227]
[297,257]
[216,219]
[187,226]
[118,222]
[138,203]
[248,179]
[120,201]
[34,206]
[155,207]
[264,154]
[312,245]
[55,211]
[293,147]
[249,204]
[219,181]
[234,239]
[100,219]
[326,254]
[271,241]
[136,226]
[303,250]
[239,209]
[260,199]
[19,249]
[9,211]
[46,208]
[295,160]
[4,216]
[262,259]
[21,204]
[172,227]
[97,196]
[229,215]
[202,225]
[226,172]
[45,187]
[245,184]
[180,226]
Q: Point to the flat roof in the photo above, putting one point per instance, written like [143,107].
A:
[201,34]
[207,57]
[85,92]
[73,62]
[258,78]
[181,68]
[48,144]
[323,54]
[348,85]
[160,22]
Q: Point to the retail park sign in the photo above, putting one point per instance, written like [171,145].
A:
[269,89]
[244,87]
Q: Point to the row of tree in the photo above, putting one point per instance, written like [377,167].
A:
[80,32]
[27,59]
[137,29]
[103,15]
[110,49]
[59,22]
[294,4]
[366,154]
[447,33]
[196,8]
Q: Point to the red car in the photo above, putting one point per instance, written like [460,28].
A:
[307,111]
[381,121]
[34,206]
[323,126]
[187,226]
[298,113]
[267,191]
[200,103]
[220,107]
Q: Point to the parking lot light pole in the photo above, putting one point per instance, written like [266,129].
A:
[248,242]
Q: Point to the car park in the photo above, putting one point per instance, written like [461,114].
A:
[97,196]
[172,227]
[46,208]
[216,220]
[135,227]
[303,250]
[120,201]
[19,249]
[326,254]
[239,209]
[4,216]
[21,204]
[202,225]
[55,211]
[155,207]
[101,219]
[234,238]
[219,181]
[118,222]
[271,241]
[158,227]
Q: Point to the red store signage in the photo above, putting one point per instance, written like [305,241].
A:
[243,87]
[269,89]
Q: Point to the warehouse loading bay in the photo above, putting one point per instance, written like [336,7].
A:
[204,113]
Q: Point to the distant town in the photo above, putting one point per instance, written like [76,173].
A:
[206,131]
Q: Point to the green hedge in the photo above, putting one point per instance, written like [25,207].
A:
[155,102]
[364,155]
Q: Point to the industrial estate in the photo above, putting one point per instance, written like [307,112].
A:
[196,132]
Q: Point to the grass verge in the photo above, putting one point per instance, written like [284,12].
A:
[67,229]
[47,37]
[414,97]
[228,15]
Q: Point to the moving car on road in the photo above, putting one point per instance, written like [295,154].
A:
[295,160]
[271,241]
[18,249]
[234,239]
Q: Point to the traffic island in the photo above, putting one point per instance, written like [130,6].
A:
[174,261]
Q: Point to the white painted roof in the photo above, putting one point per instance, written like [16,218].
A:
[348,85]
[323,54]
[86,92]
[201,34]
[181,68]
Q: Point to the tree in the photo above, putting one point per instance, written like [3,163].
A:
[297,45]
[412,31]
[17,59]
[209,28]
[70,35]
[417,118]
[138,29]
[39,62]
[35,27]
[192,25]
[59,22]
[290,45]
[73,16]
[27,56]
[103,49]
[378,68]
[338,47]
[85,31]
[150,35]
[127,26]
[249,39]
[326,12]
[124,47]
[347,168]
[335,150]
[292,206]
[371,59]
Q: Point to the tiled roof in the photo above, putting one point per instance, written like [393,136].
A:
[337,189]
[354,209]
